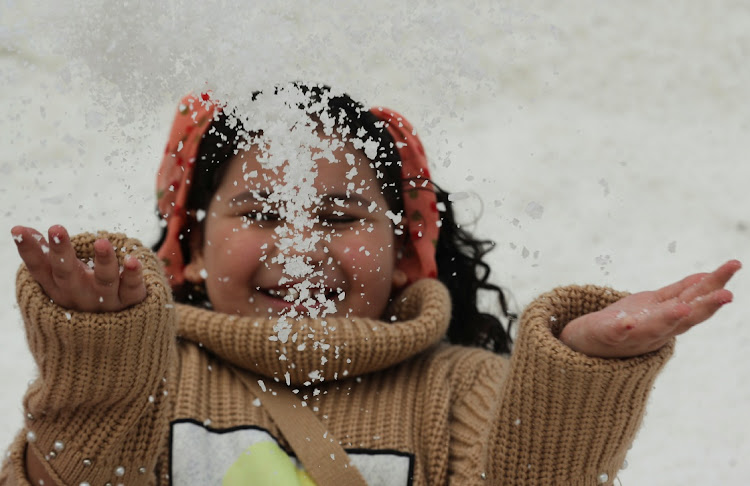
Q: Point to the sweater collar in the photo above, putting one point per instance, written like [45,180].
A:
[323,349]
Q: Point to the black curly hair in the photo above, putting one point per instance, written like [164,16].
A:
[461,267]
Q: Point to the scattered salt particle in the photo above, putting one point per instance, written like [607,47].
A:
[373,206]
[18,238]
[314,375]
[56,239]
[101,299]
[441,207]
[179,146]
[262,385]
[151,399]
[602,478]
[38,237]
[288,378]
[603,260]
[203,273]
[517,422]
[396,218]
[68,316]
[169,306]
[351,173]
[207,422]
[552,318]
[256,402]
[621,314]
[200,215]
[45,249]
[333,458]
[605,185]
[534,209]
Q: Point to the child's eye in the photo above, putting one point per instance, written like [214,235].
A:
[337,217]
[259,216]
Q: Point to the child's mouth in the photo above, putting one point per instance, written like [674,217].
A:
[308,299]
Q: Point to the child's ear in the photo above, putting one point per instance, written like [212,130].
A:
[399,279]
[194,269]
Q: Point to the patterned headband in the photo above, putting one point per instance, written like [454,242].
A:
[191,123]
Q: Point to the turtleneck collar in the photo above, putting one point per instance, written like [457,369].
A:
[323,349]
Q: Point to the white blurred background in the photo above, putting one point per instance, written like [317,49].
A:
[598,143]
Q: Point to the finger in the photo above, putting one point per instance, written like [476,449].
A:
[106,267]
[30,244]
[712,281]
[704,307]
[62,257]
[675,289]
[132,288]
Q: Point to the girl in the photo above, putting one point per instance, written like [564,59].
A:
[331,333]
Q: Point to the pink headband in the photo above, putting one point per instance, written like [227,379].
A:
[173,180]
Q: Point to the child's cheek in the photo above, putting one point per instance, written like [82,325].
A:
[365,253]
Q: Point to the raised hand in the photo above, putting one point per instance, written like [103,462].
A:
[644,322]
[74,284]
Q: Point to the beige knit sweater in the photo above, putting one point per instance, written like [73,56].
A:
[151,394]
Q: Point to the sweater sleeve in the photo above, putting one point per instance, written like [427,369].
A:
[559,417]
[98,411]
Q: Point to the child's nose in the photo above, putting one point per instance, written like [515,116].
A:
[305,240]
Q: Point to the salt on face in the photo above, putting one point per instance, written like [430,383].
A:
[290,141]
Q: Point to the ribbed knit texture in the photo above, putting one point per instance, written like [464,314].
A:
[548,415]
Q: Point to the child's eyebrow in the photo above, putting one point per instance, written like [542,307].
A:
[337,199]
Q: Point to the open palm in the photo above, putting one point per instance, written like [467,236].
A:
[645,321]
[74,284]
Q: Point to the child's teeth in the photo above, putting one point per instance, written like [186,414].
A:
[286,294]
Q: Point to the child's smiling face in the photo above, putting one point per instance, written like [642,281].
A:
[260,260]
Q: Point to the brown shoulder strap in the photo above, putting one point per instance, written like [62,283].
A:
[319,452]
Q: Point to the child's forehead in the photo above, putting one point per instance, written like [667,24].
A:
[339,170]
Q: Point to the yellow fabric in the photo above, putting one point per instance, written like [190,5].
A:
[110,384]
[265,463]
